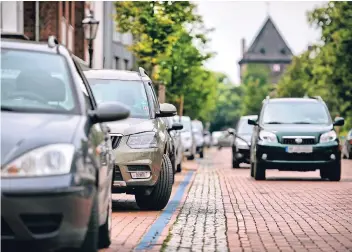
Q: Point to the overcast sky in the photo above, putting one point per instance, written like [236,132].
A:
[234,20]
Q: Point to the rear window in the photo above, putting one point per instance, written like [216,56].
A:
[295,113]
[244,128]
[131,93]
[35,82]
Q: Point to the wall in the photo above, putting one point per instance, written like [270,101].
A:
[11,17]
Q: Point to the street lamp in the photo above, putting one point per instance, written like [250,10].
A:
[90,28]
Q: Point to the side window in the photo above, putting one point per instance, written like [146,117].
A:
[87,97]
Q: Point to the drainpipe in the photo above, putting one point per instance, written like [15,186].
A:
[37,30]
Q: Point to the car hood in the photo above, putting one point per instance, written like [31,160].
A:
[298,129]
[21,132]
[132,126]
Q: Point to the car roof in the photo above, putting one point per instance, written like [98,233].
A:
[112,74]
[274,100]
[27,45]
[249,117]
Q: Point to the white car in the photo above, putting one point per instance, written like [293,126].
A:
[187,137]
[215,137]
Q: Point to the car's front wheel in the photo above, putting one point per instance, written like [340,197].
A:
[105,229]
[160,195]
[179,167]
[191,157]
[259,171]
[201,154]
[252,170]
[334,172]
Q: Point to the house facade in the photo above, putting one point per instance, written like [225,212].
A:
[268,48]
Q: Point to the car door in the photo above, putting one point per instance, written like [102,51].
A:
[99,136]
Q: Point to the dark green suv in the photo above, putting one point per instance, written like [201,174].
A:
[295,134]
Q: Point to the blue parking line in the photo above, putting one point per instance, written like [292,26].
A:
[155,230]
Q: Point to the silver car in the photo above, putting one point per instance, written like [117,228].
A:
[140,143]
[197,129]
[187,137]
[174,128]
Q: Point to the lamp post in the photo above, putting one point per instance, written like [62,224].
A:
[90,28]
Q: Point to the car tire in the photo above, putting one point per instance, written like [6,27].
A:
[350,156]
[201,154]
[179,167]
[235,164]
[190,157]
[105,230]
[90,243]
[335,172]
[252,170]
[259,172]
[323,174]
[160,195]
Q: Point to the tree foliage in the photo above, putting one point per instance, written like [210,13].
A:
[325,70]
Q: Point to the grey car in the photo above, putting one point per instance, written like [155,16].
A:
[241,144]
[174,128]
[140,143]
[56,157]
[197,130]
[347,146]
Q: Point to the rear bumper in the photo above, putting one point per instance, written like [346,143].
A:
[278,158]
[48,219]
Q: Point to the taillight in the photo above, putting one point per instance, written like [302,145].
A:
[350,141]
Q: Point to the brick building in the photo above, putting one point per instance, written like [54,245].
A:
[268,48]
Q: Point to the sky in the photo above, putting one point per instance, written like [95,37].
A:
[234,20]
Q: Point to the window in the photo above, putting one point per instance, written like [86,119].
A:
[130,93]
[276,68]
[295,113]
[126,64]
[117,62]
[36,81]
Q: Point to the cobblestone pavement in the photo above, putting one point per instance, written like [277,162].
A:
[290,211]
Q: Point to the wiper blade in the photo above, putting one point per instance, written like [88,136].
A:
[274,123]
[301,123]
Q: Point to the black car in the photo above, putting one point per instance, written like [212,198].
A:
[241,144]
[347,146]
[295,134]
[56,158]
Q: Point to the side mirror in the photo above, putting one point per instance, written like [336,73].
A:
[167,110]
[252,122]
[177,126]
[231,131]
[108,112]
[339,121]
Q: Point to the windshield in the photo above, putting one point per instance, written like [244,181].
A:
[197,126]
[295,113]
[35,82]
[130,93]
[244,128]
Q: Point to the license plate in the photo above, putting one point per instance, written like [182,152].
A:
[140,174]
[299,149]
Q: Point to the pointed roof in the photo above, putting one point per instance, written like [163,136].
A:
[268,46]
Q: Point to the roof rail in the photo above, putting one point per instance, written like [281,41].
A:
[14,35]
[267,98]
[313,97]
[142,72]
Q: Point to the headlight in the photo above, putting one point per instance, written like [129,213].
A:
[267,136]
[142,141]
[328,137]
[52,159]
[240,142]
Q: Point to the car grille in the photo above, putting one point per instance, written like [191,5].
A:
[5,228]
[299,156]
[117,173]
[115,141]
[293,140]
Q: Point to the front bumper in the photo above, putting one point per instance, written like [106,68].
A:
[278,158]
[130,160]
[242,155]
[47,217]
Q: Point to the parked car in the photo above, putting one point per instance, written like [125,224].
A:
[347,147]
[302,140]
[215,137]
[241,144]
[56,157]
[187,137]
[225,140]
[140,143]
[176,153]
[197,130]
[207,139]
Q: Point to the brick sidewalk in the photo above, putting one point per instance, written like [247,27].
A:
[290,211]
